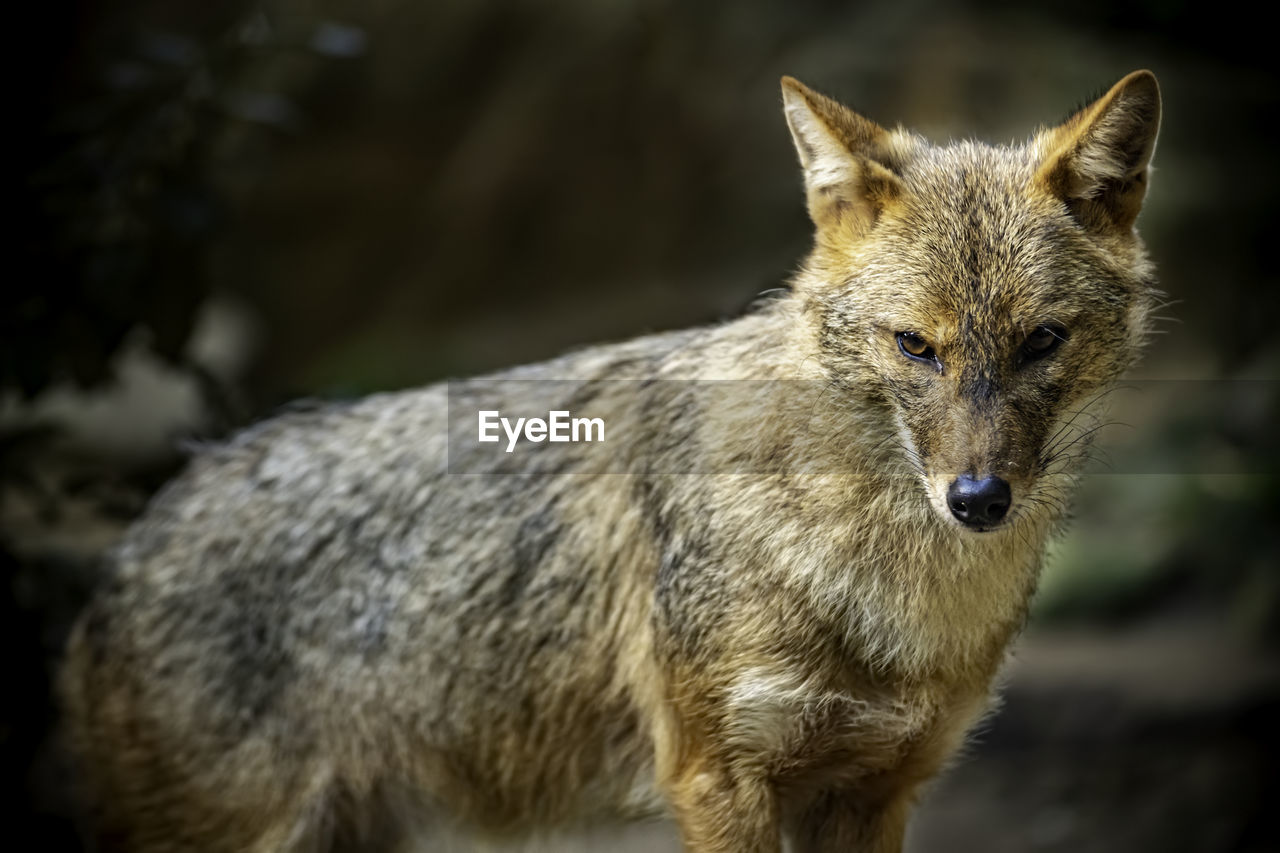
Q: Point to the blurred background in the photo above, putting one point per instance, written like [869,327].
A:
[225,206]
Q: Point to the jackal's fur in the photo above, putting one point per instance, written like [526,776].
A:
[318,637]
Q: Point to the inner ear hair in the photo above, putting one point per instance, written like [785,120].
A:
[1098,159]
[850,168]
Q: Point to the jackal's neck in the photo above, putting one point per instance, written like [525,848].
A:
[907,593]
[772,341]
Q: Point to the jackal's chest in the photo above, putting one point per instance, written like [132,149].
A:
[809,732]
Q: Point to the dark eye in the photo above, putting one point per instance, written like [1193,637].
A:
[1041,342]
[914,346]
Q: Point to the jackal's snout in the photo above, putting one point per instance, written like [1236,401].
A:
[979,503]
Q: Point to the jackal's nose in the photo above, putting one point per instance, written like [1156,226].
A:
[979,503]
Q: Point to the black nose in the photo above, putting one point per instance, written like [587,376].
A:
[978,503]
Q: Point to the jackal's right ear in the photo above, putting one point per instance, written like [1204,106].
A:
[1097,161]
[848,160]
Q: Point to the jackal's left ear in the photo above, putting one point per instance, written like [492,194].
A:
[848,160]
[1097,161]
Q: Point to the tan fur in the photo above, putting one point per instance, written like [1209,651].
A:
[755,614]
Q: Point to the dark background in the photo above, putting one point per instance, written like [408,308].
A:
[221,207]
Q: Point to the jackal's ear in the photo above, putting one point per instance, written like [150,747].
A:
[848,160]
[1097,161]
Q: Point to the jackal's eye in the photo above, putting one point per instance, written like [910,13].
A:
[1042,341]
[914,346]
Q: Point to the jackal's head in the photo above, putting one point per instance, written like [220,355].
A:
[991,292]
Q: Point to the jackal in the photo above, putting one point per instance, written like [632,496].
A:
[347,626]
